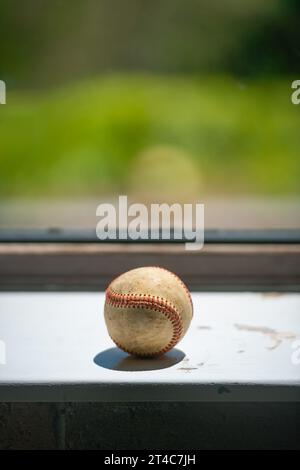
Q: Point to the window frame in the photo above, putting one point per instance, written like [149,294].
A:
[231,260]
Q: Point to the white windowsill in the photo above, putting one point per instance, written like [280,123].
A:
[239,348]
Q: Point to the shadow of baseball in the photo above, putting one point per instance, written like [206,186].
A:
[116,359]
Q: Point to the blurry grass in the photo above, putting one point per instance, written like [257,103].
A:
[83,140]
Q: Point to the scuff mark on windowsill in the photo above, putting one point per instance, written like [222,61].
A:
[276,336]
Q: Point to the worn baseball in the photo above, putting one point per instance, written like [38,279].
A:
[147,311]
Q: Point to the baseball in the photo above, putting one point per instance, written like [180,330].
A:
[147,311]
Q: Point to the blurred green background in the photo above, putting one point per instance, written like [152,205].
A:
[168,99]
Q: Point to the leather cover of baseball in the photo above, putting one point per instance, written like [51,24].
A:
[147,311]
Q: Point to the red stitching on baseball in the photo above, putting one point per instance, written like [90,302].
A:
[174,275]
[158,304]
[181,282]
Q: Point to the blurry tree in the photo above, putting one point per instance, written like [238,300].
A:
[273,44]
[48,42]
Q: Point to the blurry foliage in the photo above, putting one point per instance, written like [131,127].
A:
[273,44]
[162,99]
[238,137]
[50,42]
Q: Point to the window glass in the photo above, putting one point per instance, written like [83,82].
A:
[163,101]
